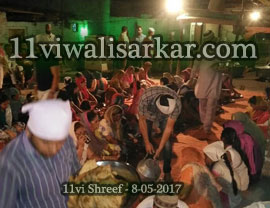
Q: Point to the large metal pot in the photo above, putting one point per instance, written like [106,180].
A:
[127,172]
[123,170]
[148,170]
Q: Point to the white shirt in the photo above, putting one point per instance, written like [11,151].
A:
[46,38]
[240,170]
[209,82]
[148,203]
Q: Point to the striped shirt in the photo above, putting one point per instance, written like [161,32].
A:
[29,180]
[148,108]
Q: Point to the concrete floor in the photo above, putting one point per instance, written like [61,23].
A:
[257,192]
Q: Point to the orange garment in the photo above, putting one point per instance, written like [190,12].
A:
[194,199]
[194,173]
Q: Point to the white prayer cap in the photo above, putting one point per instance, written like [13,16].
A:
[168,106]
[49,119]
[214,151]
[151,29]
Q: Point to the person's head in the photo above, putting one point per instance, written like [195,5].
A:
[124,29]
[130,70]
[48,29]
[147,66]
[139,30]
[48,125]
[213,152]
[169,77]
[85,105]
[80,133]
[114,114]
[14,94]
[252,101]
[136,70]
[229,137]
[97,75]
[67,80]
[4,101]
[164,81]
[164,201]
[151,31]
[29,97]
[119,75]
[93,119]
[80,81]
[19,127]
[166,104]
[209,36]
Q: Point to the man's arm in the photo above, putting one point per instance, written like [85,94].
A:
[55,70]
[166,135]
[9,186]
[143,128]
[195,69]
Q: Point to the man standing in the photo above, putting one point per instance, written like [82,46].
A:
[47,70]
[35,164]
[47,75]
[149,37]
[160,105]
[208,87]
[140,36]
[48,37]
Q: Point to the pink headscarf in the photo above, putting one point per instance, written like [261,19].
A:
[83,90]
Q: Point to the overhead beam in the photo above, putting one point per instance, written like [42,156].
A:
[5,9]
[265,2]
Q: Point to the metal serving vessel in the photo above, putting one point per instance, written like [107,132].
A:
[126,172]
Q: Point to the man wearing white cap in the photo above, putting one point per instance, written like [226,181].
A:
[149,37]
[160,105]
[35,165]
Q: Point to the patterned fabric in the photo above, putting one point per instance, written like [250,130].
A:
[30,180]
[148,108]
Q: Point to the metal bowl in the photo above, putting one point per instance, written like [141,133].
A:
[124,170]
[127,172]
[148,170]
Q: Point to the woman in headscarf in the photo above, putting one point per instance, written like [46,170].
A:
[111,127]
[252,129]
[250,147]
[258,110]
[112,97]
[134,107]
[117,82]
[84,93]
[217,161]
[236,157]
[200,189]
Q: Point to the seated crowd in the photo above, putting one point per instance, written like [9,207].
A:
[105,127]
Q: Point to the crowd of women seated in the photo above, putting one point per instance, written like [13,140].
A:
[105,127]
